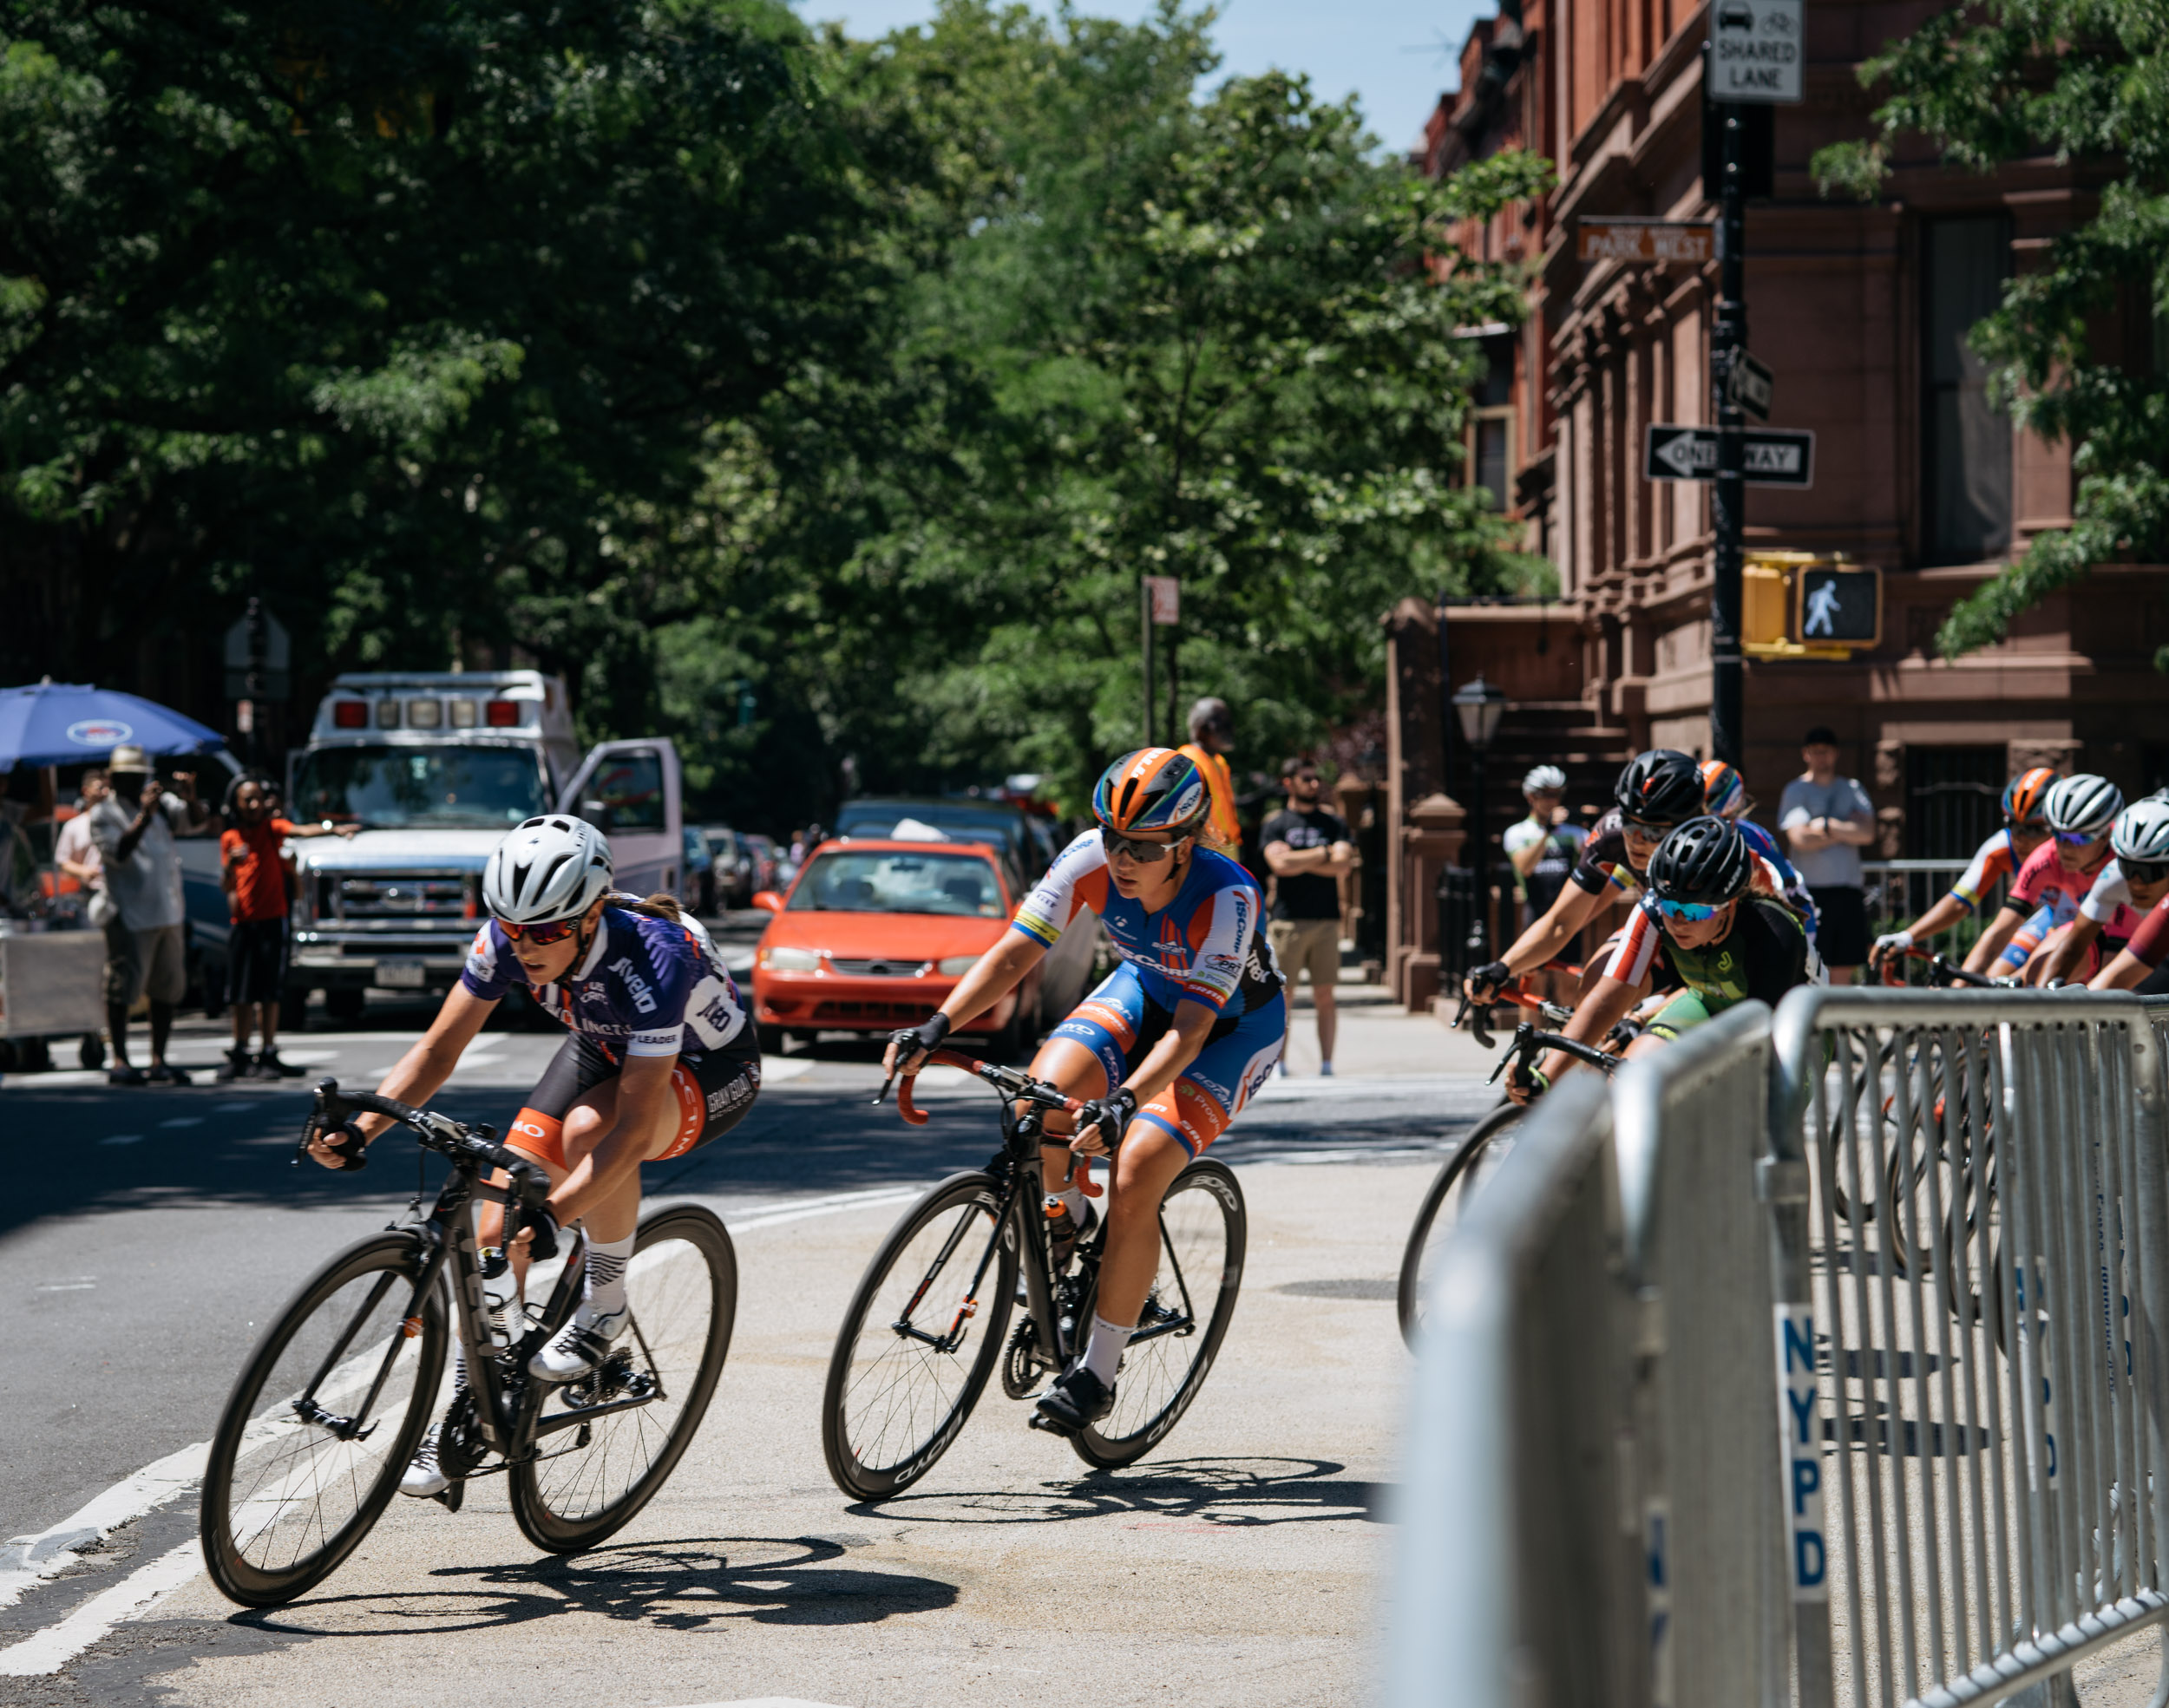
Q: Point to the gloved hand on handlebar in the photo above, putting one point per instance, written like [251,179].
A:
[341,1147]
[1487,981]
[1101,1123]
[538,1231]
[911,1045]
[1890,943]
[1525,1084]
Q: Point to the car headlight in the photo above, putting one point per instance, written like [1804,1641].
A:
[955,966]
[793,961]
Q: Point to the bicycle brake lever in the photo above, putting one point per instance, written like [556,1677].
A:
[326,1112]
[882,1095]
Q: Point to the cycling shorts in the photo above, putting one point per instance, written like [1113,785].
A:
[1119,1024]
[714,1088]
[1685,1011]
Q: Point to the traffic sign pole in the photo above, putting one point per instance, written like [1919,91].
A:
[1728,506]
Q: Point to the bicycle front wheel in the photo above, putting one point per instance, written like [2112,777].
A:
[1204,1230]
[603,1445]
[327,1411]
[1473,1163]
[919,1339]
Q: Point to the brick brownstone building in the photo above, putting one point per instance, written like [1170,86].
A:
[1861,312]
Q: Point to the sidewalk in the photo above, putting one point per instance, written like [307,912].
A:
[1379,1037]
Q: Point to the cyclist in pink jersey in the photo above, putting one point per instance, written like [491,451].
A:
[2025,829]
[2056,875]
[1165,1052]
[2128,888]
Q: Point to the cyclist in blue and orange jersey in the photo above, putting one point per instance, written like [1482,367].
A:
[2025,829]
[1166,1050]
[2056,875]
[662,1058]
[1725,796]
[2125,892]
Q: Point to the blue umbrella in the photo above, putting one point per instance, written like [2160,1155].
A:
[73,723]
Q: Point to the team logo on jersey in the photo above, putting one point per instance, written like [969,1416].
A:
[636,987]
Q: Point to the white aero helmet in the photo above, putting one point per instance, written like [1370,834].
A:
[1545,779]
[546,869]
[2083,806]
[2142,832]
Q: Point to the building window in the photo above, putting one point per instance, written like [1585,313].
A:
[1954,799]
[1967,456]
[1491,433]
[1491,439]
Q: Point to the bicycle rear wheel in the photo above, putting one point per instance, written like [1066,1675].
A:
[1204,1230]
[1473,1163]
[605,1444]
[895,1400]
[327,1411]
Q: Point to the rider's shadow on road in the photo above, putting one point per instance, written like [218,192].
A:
[1193,1494]
[672,1586]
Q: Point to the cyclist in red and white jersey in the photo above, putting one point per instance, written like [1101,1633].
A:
[1166,1050]
[662,1058]
[2025,829]
[2057,875]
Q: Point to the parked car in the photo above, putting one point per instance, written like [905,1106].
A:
[760,854]
[1028,841]
[698,885]
[876,931]
[733,870]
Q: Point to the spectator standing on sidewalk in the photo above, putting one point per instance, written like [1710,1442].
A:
[1308,849]
[1827,820]
[252,871]
[73,851]
[141,910]
[1212,734]
[1543,846]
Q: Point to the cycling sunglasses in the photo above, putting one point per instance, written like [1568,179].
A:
[1697,910]
[1145,853]
[542,936]
[2077,839]
[2143,871]
[1643,828]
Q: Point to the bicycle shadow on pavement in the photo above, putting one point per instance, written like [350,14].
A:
[1235,1494]
[684,1585]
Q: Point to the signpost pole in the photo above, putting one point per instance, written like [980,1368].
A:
[1728,506]
[1145,611]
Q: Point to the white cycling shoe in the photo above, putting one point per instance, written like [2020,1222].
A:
[579,1347]
[424,1476]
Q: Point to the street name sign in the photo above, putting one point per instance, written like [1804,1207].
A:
[1840,606]
[1775,456]
[1166,594]
[1752,386]
[1627,238]
[1755,51]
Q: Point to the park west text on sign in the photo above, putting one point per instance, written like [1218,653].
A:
[1755,50]
[1689,244]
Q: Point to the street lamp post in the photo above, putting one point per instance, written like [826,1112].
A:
[1479,706]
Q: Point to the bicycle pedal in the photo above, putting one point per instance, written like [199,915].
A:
[450,1495]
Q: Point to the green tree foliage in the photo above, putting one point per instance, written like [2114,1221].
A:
[2073,80]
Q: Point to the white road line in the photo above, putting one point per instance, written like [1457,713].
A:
[123,1139]
[49,1650]
[25,1560]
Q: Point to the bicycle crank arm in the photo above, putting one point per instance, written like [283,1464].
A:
[568,1420]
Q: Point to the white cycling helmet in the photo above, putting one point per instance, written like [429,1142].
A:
[546,870]
[1544,780]
[2083,806]
[2142,832]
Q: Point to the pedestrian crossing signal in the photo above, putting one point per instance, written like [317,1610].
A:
[1839,607]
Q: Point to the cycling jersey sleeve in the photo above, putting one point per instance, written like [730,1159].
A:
[2033,878]
[1990,861]
[2108,897]
[491,968]
[2150,943]
[1605,850]
[1637,947]
[655,987]
[1220,933]
[1077,879]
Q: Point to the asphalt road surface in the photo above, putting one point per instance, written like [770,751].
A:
[150,1233]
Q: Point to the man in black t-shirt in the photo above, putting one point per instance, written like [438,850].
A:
[1308,850]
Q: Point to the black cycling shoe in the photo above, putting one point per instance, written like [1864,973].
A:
[1074,1404]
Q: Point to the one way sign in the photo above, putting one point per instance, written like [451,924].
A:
[1775,457]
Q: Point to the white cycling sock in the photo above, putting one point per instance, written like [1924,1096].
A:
[1103,1352]
[1073,1202]
[607,1259]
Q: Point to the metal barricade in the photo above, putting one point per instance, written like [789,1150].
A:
[1520,1575]
[1973,1292]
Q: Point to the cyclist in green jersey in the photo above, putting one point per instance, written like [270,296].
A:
[1697,920]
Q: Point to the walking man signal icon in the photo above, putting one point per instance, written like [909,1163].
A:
[1822,609]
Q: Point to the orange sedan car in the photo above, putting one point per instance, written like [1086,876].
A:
[874,932]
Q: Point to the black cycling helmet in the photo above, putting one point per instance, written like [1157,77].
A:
[1705,860]
[1662,786]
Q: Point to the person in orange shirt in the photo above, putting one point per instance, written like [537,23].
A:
[252,871]
[1212,733]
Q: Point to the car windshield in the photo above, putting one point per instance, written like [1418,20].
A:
[848,882]
[450,787]
[964,822]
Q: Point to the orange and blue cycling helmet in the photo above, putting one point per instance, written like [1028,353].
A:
[2026,797]
[1724,790]
[1154,788]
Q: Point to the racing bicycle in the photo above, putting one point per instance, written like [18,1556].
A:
[335,1397]
[1478,1156]
[929,1321]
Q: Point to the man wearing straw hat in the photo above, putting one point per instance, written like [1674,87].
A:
[139,905]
